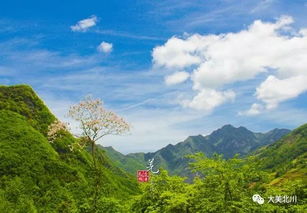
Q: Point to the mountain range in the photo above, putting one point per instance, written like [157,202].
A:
[227,141]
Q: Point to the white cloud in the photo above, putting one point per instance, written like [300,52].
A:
[273,90]
[105,47]
[216,61]
[208,99]
[177,53]
[84,24]
[255,109]
[176,78]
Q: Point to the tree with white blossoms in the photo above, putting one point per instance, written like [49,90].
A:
[95,122]
[56,129]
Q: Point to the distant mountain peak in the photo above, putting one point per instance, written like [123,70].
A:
[231,127]
[231,130]
[228,126]
[280,129]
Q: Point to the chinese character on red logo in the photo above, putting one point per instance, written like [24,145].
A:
[143,175]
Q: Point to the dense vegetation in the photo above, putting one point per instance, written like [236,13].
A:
[286,158]
[24,101]
[36,175]
[39,176]
[222,186]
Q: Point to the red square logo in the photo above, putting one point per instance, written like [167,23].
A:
[143,175]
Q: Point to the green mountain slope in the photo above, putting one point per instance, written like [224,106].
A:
[227,140]
[36,175]
[287,157]
[31,170]
[24,101]
[130,163]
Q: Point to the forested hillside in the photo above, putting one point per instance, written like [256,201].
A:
[36,175]
[287,158]
[276,173]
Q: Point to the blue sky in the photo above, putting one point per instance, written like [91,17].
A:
[171,68]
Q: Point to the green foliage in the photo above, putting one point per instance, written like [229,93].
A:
[164,193]
[220,186]
[24,101]
[225,186]
[289,152]
[31,168]
[286,160]
[110,205]
[39,176]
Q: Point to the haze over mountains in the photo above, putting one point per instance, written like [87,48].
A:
[227,141]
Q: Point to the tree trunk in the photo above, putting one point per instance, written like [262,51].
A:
[93,153]
[95,176]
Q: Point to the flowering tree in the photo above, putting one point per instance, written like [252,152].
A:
[96,122]
[55,130]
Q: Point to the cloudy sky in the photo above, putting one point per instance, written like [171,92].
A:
[171,68]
